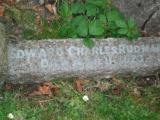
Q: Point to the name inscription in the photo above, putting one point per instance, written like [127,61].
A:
[81,58]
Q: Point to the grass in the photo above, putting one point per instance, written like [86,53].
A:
[69,105]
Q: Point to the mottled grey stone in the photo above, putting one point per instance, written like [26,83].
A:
[45,59]
[153,25]
[145,12]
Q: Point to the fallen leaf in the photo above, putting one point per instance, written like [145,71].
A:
[78,86]
[55,90]
[54,9]
[42,90]
[38,20]
[1,11]
[1,1]
[8,87]
[51,8]
[104,86]
[117,90]
[115,80]
[46,88]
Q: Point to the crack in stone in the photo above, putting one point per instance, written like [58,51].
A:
[150,17]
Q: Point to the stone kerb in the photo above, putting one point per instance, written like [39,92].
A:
[45,59]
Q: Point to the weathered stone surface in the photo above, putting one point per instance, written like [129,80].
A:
[45,59]
[3,53]
[145,12]
[153,25]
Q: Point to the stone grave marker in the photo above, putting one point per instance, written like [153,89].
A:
[45,59]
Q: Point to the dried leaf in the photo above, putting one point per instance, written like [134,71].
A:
[78,86]
[38,20]
[117,90]
[55,90]
[49,8]
[8,87]
[104,86]
[54,9]
[115,80]
[42,90]
[1,1]
[1,11]
[46,88]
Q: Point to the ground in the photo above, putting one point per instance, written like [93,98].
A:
[109,99]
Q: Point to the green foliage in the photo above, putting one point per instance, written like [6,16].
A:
[98,3]
[93,18]
[82,19]
[96,28]
[77,8]
[127,28]
[82,29]
[91,10]
[65,10]
[88,42]
[119,27]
